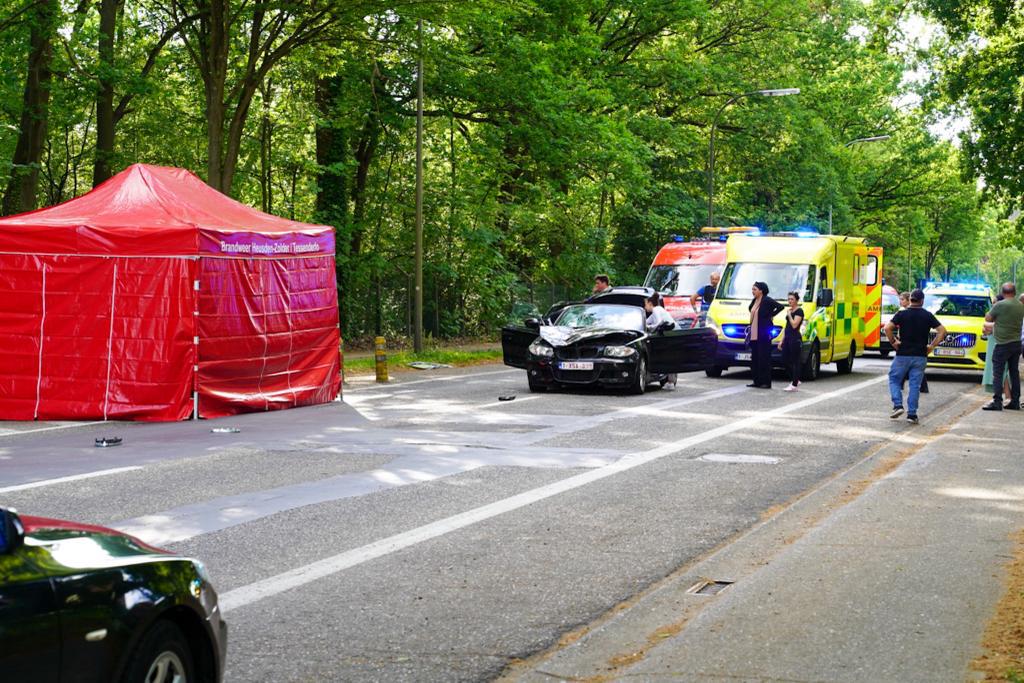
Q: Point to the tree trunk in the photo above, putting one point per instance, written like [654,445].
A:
[332,185]
[213,39]
[103,160]
[21,189]
[266,170]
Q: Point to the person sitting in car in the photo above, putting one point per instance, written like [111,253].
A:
[656,313]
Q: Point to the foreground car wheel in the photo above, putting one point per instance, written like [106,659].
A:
[535,386]
[162,656]
[640,378]
[714,371]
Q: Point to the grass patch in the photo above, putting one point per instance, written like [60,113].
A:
[398,360]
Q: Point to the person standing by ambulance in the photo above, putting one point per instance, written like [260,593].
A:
[912,348]
[706,295]
[791,340]
[763,309]
[1008,316]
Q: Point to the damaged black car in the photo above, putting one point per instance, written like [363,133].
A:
[604,341]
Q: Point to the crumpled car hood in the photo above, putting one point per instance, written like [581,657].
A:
[558,335]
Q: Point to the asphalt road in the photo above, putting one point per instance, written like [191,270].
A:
[425,530]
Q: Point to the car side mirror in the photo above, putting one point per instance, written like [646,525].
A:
[12,533]
[825,297]
[665,327]
[532,323]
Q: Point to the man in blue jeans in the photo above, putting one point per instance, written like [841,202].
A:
[912,348]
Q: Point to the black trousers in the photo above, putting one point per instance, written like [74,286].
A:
[1003,355]
[761,361]
[791,357]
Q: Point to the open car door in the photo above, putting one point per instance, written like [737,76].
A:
[682,350]
[515,342]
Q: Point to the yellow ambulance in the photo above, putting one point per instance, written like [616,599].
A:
[839,281]
[961,308]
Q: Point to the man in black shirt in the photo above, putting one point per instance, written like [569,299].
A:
[912,348]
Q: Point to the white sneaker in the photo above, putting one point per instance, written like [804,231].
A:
[791,387]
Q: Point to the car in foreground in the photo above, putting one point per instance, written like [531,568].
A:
[604,342]
[85,603]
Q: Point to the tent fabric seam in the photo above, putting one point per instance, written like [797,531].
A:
[42,338]
[110,342]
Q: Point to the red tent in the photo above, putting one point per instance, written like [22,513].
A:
[154,295]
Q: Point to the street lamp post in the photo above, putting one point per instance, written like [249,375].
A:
[873,138]
[771,92]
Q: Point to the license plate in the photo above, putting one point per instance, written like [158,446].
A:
[568,365]
[951,352]
[742,356]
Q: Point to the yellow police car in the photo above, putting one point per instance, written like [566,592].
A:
[961,308]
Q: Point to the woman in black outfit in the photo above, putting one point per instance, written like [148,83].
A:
[762,309]
[790,342]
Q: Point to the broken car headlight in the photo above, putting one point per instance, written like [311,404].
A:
[540,349]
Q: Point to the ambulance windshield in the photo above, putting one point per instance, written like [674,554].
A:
[781,279]
[681,280]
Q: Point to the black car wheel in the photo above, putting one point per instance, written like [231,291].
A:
[162,656]
[812,366]
[535,385]
[884,353]
[640,378]
[714,371]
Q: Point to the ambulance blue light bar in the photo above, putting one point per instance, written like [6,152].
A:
[973,286]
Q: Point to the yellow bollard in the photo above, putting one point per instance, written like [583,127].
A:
[381,358]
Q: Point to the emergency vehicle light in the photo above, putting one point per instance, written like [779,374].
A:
[734,331]
[976,286]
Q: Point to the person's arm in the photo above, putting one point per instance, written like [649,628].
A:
[795,320]
[940,334]
[890,334]
[989,317]
[696,295]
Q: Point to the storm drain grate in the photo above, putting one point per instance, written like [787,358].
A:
[709,587]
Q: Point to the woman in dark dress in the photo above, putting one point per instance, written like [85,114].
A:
[762,309]
[790,342]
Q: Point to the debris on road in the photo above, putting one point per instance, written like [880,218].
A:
[507,397]
[107,442]
[225,430]
[425,365]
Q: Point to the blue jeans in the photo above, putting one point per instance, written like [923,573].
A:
[901,367]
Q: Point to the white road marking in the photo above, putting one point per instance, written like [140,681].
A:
[274,585]
[16,432]
[63,480]
[740,458]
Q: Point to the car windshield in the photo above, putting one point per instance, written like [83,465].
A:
[781,279]
[890,304]
[957,304]
[603,315]
[681,280]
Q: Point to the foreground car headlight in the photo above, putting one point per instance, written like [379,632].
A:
[541,349]
[619,351]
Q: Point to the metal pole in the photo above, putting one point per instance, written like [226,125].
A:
[417,342]
[830,218]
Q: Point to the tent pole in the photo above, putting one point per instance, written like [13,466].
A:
[195,344]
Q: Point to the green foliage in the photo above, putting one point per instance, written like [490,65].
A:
[562,137]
